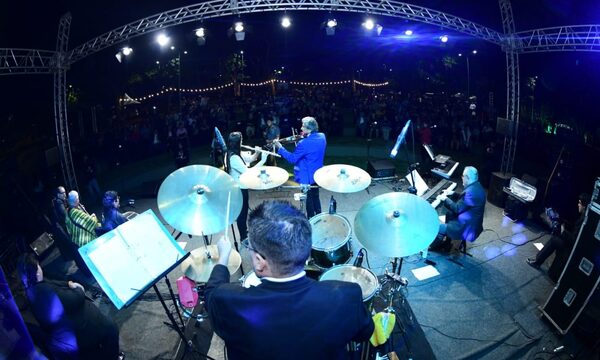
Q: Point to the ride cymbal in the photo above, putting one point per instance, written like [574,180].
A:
[198,266]
[396,224]
[193,200]
[264,177]
[342,178]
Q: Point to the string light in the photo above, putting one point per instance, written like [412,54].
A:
[263,83]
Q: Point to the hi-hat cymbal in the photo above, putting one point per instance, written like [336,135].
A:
[193,199]
[198,266]
[264,177]
[396,224]
[342,178]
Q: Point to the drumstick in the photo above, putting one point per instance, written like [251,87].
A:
[227,214]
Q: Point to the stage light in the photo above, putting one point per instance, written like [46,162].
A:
[460,54]
[126,50]
[330,26]
[379,29]
[474,52]
[444,38]
[369,24]
[162,39]
[286,22]
[238,27]
[172,47]
[185,52]
[331,23]
[200,32]
[157,62]
[119,56]
[408,32]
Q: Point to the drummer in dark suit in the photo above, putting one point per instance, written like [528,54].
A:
[287,316]
[467,212]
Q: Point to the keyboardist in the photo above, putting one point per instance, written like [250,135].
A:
[465,216]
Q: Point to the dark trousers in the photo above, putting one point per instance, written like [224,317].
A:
[243,217]
[555,243]
[313,203]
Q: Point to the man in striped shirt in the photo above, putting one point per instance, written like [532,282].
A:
[80,224]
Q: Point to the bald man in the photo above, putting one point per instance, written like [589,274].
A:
[466,213]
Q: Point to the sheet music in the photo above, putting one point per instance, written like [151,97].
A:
[131,257]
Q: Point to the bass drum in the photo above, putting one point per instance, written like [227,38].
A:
[365,278]
[331,235]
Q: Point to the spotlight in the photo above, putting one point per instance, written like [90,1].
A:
[330,26]
[200,32]
[369,24]
[474,52]
[172,47]
[238,27]
[408,32]
[126,50]
[162,39]
[444,38]
[460,55]
[286,22]
[379,29]
[119,56]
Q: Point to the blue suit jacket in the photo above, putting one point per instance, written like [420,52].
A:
[469,210]
[300,319]
[307,158]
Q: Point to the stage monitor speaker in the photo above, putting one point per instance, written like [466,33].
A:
[504,126]
[580,278]
[495,194]
[381,168]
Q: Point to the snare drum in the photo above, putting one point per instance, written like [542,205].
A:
[331,234]
[363,277]
[250,279]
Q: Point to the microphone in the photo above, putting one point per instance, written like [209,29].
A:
[359,258]
[220,139]
[400,140]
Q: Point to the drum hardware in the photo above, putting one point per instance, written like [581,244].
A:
[331,240]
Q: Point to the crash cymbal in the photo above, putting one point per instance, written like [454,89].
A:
[198,266]
[396,224]
[342,178]
[263,177]
[193,199]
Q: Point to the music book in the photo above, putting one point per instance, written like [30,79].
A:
[129,259]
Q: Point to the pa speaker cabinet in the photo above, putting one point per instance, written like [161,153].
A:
[580,277]
[381,168]
[496,194]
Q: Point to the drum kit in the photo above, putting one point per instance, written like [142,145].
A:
[203,200]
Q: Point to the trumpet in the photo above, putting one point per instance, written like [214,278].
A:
[260,150]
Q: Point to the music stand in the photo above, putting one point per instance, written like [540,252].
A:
[132,258]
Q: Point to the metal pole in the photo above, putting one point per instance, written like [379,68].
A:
[468,77]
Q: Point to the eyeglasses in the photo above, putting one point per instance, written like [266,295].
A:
[246,244]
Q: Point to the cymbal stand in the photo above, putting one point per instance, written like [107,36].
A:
[397,282]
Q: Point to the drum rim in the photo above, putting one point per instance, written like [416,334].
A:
[371,294]
[342,243]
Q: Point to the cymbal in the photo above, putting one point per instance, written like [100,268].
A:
[264,177]
[342,178]
[193,200]
[396,224]
[198,266]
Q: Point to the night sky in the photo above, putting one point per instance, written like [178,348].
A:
[568,81]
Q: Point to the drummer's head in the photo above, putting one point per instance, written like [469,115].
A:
[469,175]
[309,124]
[280,239]
[234,142]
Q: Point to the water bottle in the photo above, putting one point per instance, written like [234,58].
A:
[332,205]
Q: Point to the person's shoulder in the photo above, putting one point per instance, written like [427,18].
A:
[338,288]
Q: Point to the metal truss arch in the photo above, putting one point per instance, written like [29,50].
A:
[26,61]
[563,38]
[221,8]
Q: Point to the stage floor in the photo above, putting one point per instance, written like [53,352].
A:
[483,306]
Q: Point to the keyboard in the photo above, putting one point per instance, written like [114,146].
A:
[446,170]
[443,187]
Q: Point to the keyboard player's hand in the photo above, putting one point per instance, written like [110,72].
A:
[441,197]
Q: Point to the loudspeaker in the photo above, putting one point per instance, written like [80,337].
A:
[579,279]
[381,168]
[495,194]
[504,126]
[42,244]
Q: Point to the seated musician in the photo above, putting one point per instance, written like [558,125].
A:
[287,316]
[74,327]
[111,217]
[566,239]
[466,214]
